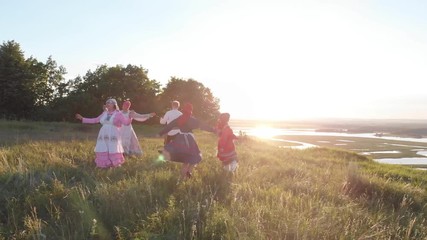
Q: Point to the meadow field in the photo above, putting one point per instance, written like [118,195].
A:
[50,189]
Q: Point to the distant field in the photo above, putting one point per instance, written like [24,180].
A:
[367,146]
[372,147]
[402,128]
[13,132]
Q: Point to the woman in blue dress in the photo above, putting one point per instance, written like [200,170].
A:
[183,148]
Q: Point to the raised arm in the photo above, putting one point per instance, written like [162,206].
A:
[206,127]
[89,120]
[142,117]
[169,127]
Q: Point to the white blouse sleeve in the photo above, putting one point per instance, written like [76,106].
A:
[141,117]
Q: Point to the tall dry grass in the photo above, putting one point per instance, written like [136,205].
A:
[50,189]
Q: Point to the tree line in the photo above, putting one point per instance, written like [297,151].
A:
[35,90]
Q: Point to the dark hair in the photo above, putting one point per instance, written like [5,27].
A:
[224,117]
[187,110]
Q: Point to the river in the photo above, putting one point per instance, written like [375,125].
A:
[279,134]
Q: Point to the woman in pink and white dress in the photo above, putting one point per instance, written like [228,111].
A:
[129,139]
[109,149]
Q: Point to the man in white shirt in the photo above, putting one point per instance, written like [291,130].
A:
[169,116]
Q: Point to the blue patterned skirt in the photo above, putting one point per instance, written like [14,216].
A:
[183,148]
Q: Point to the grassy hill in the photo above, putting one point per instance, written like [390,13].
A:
[50,189]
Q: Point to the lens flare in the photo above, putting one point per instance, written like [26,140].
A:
[160,159]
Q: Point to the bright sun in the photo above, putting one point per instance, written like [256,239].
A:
[263,132]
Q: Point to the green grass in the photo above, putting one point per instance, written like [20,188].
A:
[50,189]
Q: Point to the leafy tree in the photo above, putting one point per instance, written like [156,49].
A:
[37,90]
[130,82]
[27,85]
[48,81]
[16,98]
[206,106]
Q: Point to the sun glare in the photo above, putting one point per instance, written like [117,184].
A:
[263,132]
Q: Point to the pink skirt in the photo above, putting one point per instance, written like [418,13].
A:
[105,160]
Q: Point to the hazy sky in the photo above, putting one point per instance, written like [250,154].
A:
[272,59]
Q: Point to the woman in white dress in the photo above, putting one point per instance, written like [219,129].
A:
[108,149]
[129,139]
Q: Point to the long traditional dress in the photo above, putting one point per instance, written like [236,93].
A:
[226,148]
[109,149]
[129,139]
[183,148]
